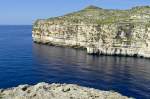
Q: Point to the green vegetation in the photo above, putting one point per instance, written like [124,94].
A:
[96,15]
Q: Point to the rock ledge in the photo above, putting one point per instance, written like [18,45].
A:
[57,91]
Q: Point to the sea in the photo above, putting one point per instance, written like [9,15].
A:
[24,62]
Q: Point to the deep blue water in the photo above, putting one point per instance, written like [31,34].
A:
[24,62]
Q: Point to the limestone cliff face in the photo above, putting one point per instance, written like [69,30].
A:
[100,31]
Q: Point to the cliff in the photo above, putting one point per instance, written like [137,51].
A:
[57,91]
[100,31]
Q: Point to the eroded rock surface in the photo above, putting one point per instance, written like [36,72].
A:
[100,31]
[57,91]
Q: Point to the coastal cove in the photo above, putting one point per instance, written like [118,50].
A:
[25,62]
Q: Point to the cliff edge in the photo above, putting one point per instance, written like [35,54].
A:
[100,31]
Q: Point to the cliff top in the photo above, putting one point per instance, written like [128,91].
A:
[93,14]
[92,7]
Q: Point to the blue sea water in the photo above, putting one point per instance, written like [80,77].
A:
[24,62]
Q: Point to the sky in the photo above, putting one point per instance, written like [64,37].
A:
[25,12]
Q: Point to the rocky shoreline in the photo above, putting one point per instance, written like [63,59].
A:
[57,91]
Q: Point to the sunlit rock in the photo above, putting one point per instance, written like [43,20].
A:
[100,31]
[57,91]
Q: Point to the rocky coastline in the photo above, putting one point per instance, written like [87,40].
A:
[99,31]
[57,91]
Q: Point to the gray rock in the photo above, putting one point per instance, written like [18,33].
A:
[57,91]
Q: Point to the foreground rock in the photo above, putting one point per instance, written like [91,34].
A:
[57,91]
[100,31]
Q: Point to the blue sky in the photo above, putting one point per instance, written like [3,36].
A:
[27,11]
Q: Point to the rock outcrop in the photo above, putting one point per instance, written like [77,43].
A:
[100,31]
[57,91]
